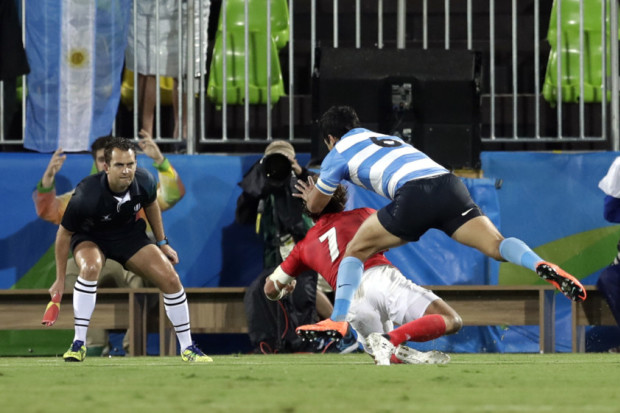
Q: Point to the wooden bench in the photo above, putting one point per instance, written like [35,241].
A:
[117,309]
[212,310]
[221,310]
[592,312]
[497,305]
[217,310]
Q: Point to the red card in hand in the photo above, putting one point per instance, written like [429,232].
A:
[51,312]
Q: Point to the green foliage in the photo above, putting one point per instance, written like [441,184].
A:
[313,383]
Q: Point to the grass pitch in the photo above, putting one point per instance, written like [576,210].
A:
[313,383]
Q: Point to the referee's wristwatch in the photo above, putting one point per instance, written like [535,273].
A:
[162,242]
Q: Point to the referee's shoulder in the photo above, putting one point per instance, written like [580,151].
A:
[90,181]
[143,173]
[145,178]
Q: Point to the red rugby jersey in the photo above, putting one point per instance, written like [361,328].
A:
[325,243]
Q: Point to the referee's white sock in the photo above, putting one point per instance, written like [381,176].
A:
[177,311]
[84,299]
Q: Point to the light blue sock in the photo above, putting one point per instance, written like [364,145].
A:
[517,252]
[350,274]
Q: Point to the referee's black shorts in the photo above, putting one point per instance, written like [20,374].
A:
[118,246]
[442,202]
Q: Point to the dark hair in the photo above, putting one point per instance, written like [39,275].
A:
[118,143]
[337,121]
[336,203]
[98,143]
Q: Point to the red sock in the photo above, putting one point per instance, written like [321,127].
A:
[425,328]
[395,360]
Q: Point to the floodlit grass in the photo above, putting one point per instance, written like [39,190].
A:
[313,383]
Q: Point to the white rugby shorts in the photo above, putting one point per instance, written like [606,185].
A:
[385,297]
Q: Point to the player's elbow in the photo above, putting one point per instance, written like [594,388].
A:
[167,200]
[50,216]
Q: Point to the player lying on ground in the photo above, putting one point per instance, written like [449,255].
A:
[385,296]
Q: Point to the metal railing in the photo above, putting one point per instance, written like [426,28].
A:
[509,86]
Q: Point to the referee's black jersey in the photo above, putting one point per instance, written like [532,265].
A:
[95,209]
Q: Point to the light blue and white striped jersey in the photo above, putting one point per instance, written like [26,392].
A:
[380,163]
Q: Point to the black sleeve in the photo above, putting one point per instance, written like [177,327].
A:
[149,183]
[73,217]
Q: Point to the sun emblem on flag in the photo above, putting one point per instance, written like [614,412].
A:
[78,57]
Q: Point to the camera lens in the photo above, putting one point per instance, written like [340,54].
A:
[277,167]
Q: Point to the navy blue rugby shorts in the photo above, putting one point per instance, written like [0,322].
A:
[442,202]
[118,246]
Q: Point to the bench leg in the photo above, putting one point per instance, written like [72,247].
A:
[578,333]
[547,321]
[579,340]
[137,324]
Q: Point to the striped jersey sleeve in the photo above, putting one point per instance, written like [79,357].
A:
[377,162]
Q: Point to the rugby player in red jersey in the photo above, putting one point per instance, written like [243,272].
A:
[385,296]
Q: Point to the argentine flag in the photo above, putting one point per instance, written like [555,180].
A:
[76,50]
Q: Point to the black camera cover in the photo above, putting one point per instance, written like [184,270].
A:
[277,167]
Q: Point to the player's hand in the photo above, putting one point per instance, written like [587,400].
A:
[51,311]
[170,253]
[289,287]
[304,188]
[150,148]
[295,165]
[54,165]
[274,294]
[57,288]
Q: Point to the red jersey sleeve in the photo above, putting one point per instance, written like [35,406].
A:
[293,265]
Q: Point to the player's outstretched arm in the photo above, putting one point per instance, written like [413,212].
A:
[170,189]
[53,167]
[149,147]
[50,207]
[61,252]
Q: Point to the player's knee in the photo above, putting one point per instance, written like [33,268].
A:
[495,254]
[351,249]
[454,323]
[170,284]
[90,271]
[355,249]
[490,248]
